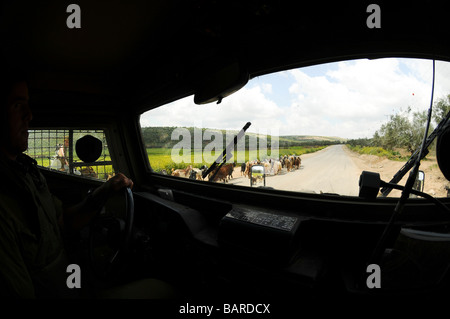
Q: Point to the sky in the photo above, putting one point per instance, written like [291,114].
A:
[349,99]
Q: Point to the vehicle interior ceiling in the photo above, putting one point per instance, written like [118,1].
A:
[129,57]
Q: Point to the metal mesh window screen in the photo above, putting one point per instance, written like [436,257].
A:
[55,150]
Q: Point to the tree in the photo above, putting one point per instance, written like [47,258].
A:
[441,108]
[403,130]
[376,140]
[418,129]
[396,132]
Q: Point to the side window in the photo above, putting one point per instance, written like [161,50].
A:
[55,150]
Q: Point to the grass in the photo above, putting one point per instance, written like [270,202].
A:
[161,158]
[378,151]
[102,170]
[434,167]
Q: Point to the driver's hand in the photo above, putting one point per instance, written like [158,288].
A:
[111,186]
[118,182]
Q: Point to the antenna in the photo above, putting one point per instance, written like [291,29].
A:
[379,249]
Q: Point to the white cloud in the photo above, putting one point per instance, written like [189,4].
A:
[248,104]
[423,69]
[348,99]
[267,88]
[355,99]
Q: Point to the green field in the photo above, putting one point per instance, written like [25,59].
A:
[103,171]
[161,158]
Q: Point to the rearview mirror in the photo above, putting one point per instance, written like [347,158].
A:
[257,175]
[419,184]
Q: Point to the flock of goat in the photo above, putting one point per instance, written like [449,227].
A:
[225,172]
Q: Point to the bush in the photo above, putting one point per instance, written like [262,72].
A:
[377,151]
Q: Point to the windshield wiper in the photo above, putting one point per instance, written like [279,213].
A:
[226,153]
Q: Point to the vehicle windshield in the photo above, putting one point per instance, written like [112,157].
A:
[313,129]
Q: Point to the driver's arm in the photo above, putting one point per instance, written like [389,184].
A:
[79,215]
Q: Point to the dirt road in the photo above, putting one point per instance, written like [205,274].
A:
[330,170]
[435,181]
[336,169]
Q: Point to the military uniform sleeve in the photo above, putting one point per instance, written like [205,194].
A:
[15,280]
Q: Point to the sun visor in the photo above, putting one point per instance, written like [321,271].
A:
[220,83]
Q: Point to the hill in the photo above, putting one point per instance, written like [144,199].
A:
[304,138]
[161,137]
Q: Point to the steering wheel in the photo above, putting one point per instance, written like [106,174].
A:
[110,236]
